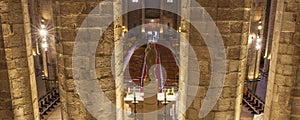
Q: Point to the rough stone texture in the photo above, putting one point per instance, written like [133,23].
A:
[282,99]
[6,111]
[69,15]
[253,56]
[19,60]
[295,114]
[231,18]
[118,57]
[17,83]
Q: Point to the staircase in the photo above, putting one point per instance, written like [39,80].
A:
[48,102]
[167,61]
[253,103]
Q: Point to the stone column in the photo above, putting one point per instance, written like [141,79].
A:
[6,110]
[183,60]
[19,61]
[281,98]
[118,57]
[232,20]
[295,114]
[69,16]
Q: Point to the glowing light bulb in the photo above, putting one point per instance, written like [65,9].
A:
[179,29]
[45,45]
[43,32]
[258,39]
[43,26]
[257,47]
[44,39]
[259,27]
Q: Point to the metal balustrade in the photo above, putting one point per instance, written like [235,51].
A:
[253,103]
[47,102]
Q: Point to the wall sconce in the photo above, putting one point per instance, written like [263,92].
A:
[259,27]
[179,29]
[250,39]
[257,46]
[45,46]
[43,34]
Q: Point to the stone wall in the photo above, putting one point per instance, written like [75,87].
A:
[281,98]
[69,16]
[19,59]
[295,114]
[6,111]
[231,18]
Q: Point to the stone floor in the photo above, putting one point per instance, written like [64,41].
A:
[55,114]
[261,88]
[245,114]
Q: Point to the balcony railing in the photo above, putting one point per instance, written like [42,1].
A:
[253,103]
[48,102]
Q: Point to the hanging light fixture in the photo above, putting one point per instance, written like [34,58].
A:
[258,38]
[257,46]
[43,34]
[259,27]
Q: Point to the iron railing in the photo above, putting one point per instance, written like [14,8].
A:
[48,102]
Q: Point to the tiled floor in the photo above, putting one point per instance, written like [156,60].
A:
[55,114]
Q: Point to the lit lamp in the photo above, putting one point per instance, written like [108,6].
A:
[259,27]
[257,46]
[43,35]
[45,46]
[179,29]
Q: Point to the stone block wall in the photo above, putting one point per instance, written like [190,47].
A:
[232,19]
[6,111]
[68,17]
[17,61]
[281,98]
[295,114]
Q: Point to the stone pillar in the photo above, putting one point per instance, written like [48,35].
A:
[118,57]
[183,60]
[269,36]
[69,16]
[232,20]
[183,78]
[19,68]
[6,110]
[295,114]
[281,98]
